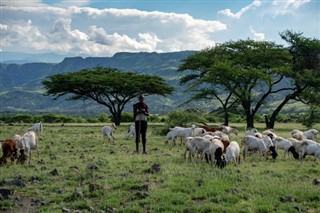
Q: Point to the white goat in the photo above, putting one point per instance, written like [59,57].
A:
[310,134]
[195,145]
[251,131]
[183,133]
[220,134]
[295,143]
[252,143]
[131,131]
[27,142]
[297,134]
[271,133]
[215,153]
[228,130]
[37,128]
[107,131]
[286,145]
[233,153]
[311,148]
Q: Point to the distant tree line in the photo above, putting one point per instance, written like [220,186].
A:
[171,119]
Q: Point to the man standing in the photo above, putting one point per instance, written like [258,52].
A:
[140,114]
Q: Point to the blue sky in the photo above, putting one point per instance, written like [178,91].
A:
[103,28]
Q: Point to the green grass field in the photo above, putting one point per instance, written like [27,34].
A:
[92,176]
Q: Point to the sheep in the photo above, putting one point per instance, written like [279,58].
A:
[297,134]
[221,136]
[312,148]
[8,150]
[228,130]
[233,153]
[269,144]
[286,145]
[131,131]
[28,142]
[183,133]
[251,131]
[215,151]
[37,128]
[252,143]
[308,147]
[195,145]
[295,143]
[271,133]
[310,134]
[107,131]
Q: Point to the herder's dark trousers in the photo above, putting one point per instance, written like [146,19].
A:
[141,128]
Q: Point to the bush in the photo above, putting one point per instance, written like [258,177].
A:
[311,117]
[183,118]
[23,118]
[103,118]
[126,117]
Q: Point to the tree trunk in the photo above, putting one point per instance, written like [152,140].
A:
[272,121]
[249,114]
[226,117]
[250,121]
[117,118]
[267,122]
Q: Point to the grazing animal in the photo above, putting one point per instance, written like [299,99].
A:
[215,151]
[286,145]
[107,131]
[222,136]
[233,153]
[183,133]
[252,143]
[195,145]
[209,128]
[251,131]
[308,147]
[131,131]
[8,150]
[28,142]
[228,130]
[310,134]
[269,144]
[37,128]
[271,133]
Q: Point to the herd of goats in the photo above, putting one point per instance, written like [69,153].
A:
[208,143]
[214,145]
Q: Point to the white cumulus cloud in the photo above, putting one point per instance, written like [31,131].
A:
[281,7]
[99,32]
[227,12]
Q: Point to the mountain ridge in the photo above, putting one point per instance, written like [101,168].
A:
[21,83]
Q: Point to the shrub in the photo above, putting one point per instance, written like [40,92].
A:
[311,117]
[183,118]
[103,117]
[24,118]
[126,117]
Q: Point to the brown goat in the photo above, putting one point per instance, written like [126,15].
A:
[209,128]
[8,150]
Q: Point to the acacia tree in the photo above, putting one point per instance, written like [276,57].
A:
[248,70]
[107,86]
[304,74]
[202,83]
